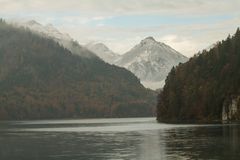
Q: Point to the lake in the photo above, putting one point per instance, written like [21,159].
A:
[116,139]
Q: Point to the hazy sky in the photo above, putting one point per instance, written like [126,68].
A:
[186,25]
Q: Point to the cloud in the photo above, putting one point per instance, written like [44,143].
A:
[188,25]
[184,45]
[187,39]
[113,7]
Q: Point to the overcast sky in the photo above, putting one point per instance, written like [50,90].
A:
[186,25]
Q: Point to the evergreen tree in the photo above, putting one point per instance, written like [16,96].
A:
[197,90]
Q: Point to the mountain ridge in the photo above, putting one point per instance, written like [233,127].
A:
[39,79]
[102,51]
[49,31]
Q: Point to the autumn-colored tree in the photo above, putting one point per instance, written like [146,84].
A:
[41,79]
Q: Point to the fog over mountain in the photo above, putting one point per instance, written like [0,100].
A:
[50,31]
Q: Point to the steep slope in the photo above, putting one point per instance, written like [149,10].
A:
[49,31]
[102,51]
[206,88]
[41,79]
[151,61]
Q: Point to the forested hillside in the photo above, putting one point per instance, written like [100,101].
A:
[206,88]
[41,79]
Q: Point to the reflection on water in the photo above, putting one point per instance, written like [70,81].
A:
[116,139]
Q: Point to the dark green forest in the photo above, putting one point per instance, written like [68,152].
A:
[41,79]
[198,89]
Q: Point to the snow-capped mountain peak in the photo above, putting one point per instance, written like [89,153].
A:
[151,61]
[102,51]
[148,40]
[99,46]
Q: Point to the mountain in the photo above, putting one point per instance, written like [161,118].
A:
[151,61]
[103,52]
[39,78]
[206,88]
[49,31]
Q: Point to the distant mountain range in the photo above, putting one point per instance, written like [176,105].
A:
[149,60]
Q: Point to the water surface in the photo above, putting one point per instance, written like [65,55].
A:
[116,139]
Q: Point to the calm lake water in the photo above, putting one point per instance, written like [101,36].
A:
[116,139]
